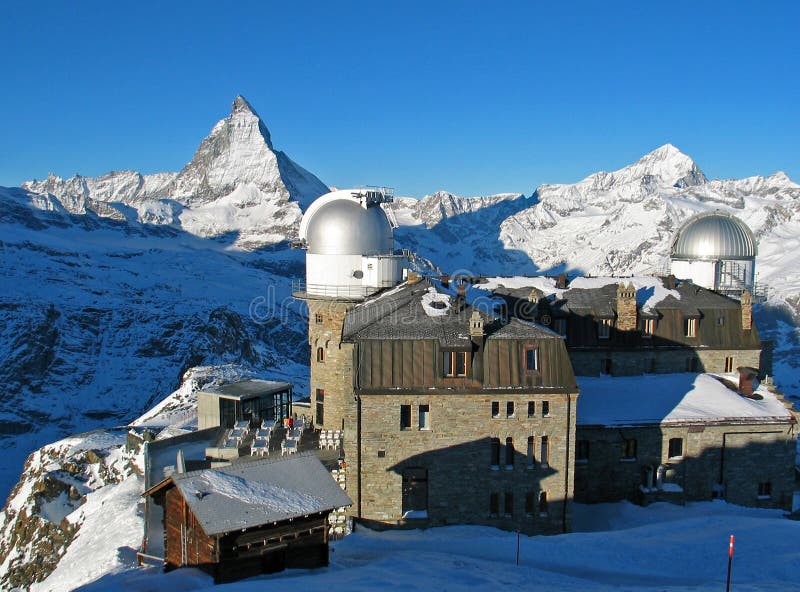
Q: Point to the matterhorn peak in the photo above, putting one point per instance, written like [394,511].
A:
[240,105]
[238,152]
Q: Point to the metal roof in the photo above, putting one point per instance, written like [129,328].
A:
[712,236]
[250,388]
[344,226]
[400,314]
[254,493]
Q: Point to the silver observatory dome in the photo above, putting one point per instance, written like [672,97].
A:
[714,236]
[344,227]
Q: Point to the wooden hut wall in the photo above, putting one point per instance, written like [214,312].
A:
[199,548]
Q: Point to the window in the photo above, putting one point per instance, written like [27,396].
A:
[509,453]
[545,452]
[560,327]
[649,327]
[542,503]
[495,409]
[454,363]
[608,366]
[690,326]
[545,408]
[764,490]
[510,409]
[495,460]
[604,328]
[721,321]
[675,448]
[320,354]
[729,364]
[530,500]
[405,417]
[629,449]
[424,417]
[494,504]
[318,318]
[531,408]
[531,457]
[320,414]
[509,504]
[531,359]
[582,451]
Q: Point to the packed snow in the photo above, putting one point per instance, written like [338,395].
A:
[615,547]
[650,290]
[670,398]
[434,303]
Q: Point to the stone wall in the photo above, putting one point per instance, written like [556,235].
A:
[658,361]
[457,453]
[333,373]
[739,456]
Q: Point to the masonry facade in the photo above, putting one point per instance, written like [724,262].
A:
[460,414]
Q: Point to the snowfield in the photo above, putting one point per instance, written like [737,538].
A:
[617,547]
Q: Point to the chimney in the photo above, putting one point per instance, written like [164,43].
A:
[562,281]
[180,464]
[626,307]
[747,377]
[476,332]
[669,282]
[461,298]
[747,310]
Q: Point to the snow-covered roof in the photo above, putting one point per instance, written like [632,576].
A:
[250,388]
[671,399]
[253,493]
[650,290]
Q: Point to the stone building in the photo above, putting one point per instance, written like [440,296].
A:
[681,437]
[458,400]
[639,325]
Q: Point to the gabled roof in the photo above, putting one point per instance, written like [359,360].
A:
[254,493]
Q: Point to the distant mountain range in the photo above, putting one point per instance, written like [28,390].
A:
[114,286]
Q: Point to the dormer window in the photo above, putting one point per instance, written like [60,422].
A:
[455,363]
[604,328]
[648,328]
[690,327]
[531,359]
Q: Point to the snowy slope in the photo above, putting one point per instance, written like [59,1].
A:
[99,320]
[617,547]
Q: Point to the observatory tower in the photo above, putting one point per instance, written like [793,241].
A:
[349,245]
[717,251]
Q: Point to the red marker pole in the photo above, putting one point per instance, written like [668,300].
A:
[730,563]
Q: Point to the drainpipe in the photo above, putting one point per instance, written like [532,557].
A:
[566,468]
[358,452]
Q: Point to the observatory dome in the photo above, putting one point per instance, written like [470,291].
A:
[714,236]
[345,227]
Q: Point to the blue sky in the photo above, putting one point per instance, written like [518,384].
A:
[472,97]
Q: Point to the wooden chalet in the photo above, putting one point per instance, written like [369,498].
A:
[249,518]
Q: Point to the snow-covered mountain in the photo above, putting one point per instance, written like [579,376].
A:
[237,186]
[115,286]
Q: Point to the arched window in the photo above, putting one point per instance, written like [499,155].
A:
[320,354]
